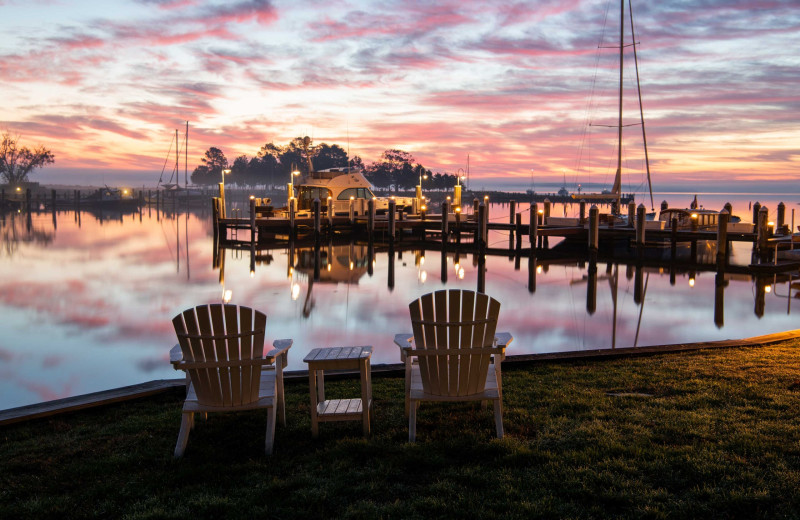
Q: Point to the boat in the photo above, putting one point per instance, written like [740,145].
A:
[338,187]
[614,196]
[111,198]
[691,218]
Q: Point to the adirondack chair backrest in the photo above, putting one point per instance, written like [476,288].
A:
[460,324]
[217,342]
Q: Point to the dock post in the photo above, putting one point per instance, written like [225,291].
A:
[729,208]
[518,229]
[252,219]
[762,232]
[641,217]
[722,237]
[664,205]
[392,217]
[317,205]
[781,218]
[371,217]
[533,232]
[632,214]
[582,219]
[445,221]
[482,235]
[594,232]
[512,211]
[756,208]
[546,211]
[458,224]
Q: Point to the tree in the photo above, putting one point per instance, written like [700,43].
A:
[330,157]
[210,172]
[395,168]
[16,163]
[240,171]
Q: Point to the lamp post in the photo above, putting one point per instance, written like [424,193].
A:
[419,188]
[225,172]
[290,189]
[460,175]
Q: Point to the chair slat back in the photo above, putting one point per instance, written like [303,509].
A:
[222,333]
[454,319]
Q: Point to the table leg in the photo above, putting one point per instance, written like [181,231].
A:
[312,384]
[320,386]
[365,395]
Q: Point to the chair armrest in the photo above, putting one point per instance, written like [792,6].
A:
[280,349]
[404,342]
[175,356]
[502,340]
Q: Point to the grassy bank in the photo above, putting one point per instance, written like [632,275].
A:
[703,434]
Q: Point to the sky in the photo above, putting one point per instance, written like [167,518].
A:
[521,88]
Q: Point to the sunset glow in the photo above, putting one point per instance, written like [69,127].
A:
[105,85]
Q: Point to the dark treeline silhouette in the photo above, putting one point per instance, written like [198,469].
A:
[273,165]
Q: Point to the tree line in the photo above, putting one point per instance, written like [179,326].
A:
[273,166]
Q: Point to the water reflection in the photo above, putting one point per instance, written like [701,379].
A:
[86,299]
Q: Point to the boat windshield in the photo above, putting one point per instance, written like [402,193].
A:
[356,193]
[307,194]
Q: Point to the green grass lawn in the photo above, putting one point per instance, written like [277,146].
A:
[706,434]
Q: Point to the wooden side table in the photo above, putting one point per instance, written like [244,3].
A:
[339,358]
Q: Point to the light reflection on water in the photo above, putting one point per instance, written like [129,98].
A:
[87,302]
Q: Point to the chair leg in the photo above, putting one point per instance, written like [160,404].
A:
[498,418]
[412,422]
[270,430]
[187,419]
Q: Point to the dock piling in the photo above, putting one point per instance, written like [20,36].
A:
[756,209]
[632,216]
[762,232]
[392,217]
[534,226]
[594,232]
[546,211]
[445,221]
[371,217]
[722,237]
[781,218]
[641,217]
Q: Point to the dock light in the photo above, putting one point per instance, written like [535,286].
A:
[691,281]
[329,267]
[19,189]
[226,296]
[448,198]
[694,216]
[424,207]
[485,197]
[295,173]
[767,288]
[295,290]
[252,197]
[124,192]
[458,209]
[352,198]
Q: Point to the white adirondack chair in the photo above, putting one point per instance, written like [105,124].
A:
[458,352]
[221,349]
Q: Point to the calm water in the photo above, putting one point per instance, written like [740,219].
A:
[87,299]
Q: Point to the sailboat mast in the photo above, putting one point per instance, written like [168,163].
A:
[177,158]
[618,178]
[641,110]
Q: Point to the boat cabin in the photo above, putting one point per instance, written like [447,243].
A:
[690,218]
